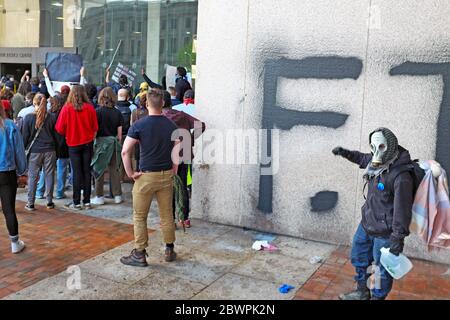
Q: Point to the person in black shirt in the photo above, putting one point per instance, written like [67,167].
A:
[154,134]
[107,147]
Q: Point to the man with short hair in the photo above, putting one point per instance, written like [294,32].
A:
[123,105]
[154,135]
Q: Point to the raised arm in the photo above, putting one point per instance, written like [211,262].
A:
[26,76]
[150,82]
[107,75]
[83,80]
[361,159]
[48,84]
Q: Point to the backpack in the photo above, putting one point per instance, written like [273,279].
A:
[417,174]
[126,114]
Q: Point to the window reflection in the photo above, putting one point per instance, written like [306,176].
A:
[153,33]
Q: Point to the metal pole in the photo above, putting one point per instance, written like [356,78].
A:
[114,56]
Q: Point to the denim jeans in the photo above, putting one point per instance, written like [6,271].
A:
[61,177]
[365,251]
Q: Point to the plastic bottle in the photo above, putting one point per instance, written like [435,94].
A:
[397,266]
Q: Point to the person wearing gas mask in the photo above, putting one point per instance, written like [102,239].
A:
[386,214]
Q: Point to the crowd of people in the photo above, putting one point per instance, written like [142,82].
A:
[79,132]
[87,131]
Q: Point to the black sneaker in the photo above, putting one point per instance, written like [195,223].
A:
[170,254]
[50,205]
[30,207]
[356,295]
[135,259]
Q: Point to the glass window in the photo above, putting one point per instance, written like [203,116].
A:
[161,46]
[173,23]
[138,50]
[94,28]
[173,45]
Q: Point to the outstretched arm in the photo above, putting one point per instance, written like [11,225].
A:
[107,75]
[150,82]
[83,80]
[361,159]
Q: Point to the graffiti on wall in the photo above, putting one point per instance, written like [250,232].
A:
[274,116]
[334,67]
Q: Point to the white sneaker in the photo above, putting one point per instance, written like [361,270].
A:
[98,201]
[17,246]
[118,199]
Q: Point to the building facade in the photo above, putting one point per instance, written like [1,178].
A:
[151,34]
[320,73]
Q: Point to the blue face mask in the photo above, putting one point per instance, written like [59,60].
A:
[177,76]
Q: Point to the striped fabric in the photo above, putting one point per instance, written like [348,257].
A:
[431,209]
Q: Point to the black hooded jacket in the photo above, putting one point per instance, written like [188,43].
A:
[387,213]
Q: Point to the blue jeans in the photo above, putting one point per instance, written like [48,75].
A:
[365,250]
[61,176]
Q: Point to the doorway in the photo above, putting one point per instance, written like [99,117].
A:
[14,69]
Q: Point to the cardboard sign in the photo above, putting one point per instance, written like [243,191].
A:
[63,67]
[171,71]
[123,69]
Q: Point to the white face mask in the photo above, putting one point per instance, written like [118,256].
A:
[378,145]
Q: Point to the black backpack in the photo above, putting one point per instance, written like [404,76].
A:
[126,114]
[417,173]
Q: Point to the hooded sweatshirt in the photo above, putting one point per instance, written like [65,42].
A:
[387,213]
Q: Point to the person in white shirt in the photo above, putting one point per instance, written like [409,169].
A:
[51,88]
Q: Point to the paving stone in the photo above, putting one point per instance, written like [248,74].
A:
[238,287]
[276,267]
[199,266]
[303,249]
[55,240]
[159,286]
[55,288]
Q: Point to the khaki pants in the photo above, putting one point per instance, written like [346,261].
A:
[149,184]
[114,177]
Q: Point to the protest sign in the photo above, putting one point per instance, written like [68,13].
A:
[63,67]
[123,69]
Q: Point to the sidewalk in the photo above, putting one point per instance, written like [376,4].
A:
[214,262]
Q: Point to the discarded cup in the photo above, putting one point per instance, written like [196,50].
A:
[315,259]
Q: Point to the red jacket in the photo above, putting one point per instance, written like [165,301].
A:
[79,127]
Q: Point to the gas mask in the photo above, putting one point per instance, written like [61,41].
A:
[384,146]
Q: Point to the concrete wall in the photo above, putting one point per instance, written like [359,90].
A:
[325,73]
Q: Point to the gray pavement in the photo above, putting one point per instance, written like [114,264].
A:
[214,262]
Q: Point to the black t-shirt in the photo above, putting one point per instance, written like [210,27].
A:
[109,119]
[155,139]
